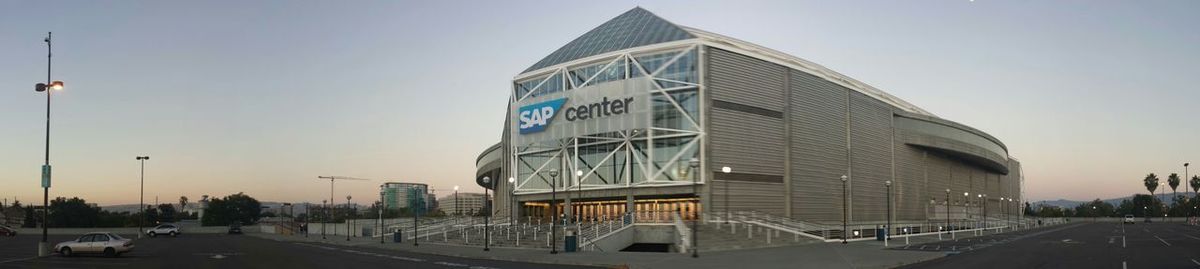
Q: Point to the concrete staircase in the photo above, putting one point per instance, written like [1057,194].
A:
[715,236]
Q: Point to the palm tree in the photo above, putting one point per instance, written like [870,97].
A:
[1151,182]
[1173,181]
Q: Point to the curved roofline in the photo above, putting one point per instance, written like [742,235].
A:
[488,150]
[798,63]
[956,125]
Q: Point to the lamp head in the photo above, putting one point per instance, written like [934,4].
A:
[40,87]
[553,172]
[844,178]
[726,169]
[966,194]
[455,187]
[487,180]
[694,162]
[578,173]
[511,180]
[889,183]
[56,85]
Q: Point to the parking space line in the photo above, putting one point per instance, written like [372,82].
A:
[1196,262]
[1193,237]
[17,260]
[1163,241]
[1122,241]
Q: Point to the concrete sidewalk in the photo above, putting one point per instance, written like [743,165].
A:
[865,254]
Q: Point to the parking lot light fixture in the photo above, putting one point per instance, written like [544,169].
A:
[726,170]
[845,229]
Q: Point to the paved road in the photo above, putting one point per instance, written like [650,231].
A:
[234,251]
[1085,245]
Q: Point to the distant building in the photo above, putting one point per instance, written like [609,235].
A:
[396,194]
[464,204]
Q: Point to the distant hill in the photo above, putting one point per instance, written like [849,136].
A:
[1114,201]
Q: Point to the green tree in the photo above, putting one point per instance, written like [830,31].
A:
[236,208]
[1029,210]
[1196,185]
[1147,206]
[1151,182]
[167,213]
[73,213]
[1095,208]
[1173,181]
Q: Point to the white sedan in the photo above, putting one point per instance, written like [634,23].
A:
[109,244]
[166,229]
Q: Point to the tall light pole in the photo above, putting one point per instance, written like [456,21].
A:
[694,163]
[382,204]
[307,218]
[416,211]
[983,208]
[347,217]
[966,197]
[326,220]
[488,214]
[43,247]
[887,234]
[512,202]
[1093,213]
[141,195]
[947,210]
[456,211]
[553,211]
[726,170]
[845,229]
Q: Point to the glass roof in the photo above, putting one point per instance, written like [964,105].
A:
[634,28]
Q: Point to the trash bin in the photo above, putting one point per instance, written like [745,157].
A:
[571,242]
[880,232]
[397,236]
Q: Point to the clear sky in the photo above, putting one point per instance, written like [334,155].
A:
[263,96]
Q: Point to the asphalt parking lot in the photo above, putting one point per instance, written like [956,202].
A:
[1080,245]
[236,251]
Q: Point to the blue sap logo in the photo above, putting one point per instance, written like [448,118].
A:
[534,118]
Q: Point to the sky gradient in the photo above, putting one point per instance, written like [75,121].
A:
[262,97]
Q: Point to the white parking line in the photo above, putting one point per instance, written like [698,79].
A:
[17,260]
[1196,262]
[1124,266]
[1163,241]
[1122,241]
[1193,237]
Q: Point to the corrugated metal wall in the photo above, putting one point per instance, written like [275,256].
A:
[744,80]
[816,111]
[909,192]
[870,158]
[818,147]
[747,142]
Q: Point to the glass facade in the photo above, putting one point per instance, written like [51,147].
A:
[634,28]
[650,155]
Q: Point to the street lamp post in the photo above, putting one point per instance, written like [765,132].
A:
[487,215]
[347,217]
[416,211]
[456,211]
[553,211]
[326,220]
[512,201]
[382,204]
[966,197]
[983,208]
[726,170]
[947,211]
[694,163]
[43,246]
[1093,213]
[845,229]
[141,195]
[887,231]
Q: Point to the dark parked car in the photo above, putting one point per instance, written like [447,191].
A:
[7,231]
[235,229]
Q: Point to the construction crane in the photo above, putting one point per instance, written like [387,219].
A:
[331,179]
